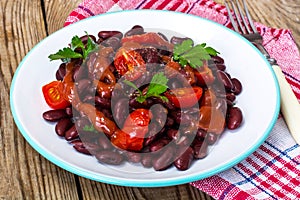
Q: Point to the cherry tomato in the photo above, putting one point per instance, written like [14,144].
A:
[53,96]
[129,63]
[148,38]
[132,135]
[204,76]
[184,97]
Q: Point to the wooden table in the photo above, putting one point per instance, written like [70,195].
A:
[24,173]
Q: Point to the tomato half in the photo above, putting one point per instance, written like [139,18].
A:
[53,95]
[132,135]
[184,97]
[129,63]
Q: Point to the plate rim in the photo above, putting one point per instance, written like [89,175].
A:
[141,183]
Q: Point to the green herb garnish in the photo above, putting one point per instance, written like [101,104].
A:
[157,86]
[69,52]
[185,53]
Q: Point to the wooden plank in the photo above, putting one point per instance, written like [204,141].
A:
[56,13]
[24,173]
[94,190]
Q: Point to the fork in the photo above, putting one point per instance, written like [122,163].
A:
[243,24]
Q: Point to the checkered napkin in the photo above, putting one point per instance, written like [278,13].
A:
[273,170]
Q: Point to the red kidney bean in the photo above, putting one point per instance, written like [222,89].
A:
[89,136]
[107,34]
[184,118]
[170,122]
[150,55]
[83,84]
[76,141]
[77,61]
[178,40]
[78,146]
[84,38]
[165,159]
[218,60]
[133,157]
[133,103]
[81,123]
[135,30]
[61,72]
[106,112]
[201,134]
[69,111]
[113,42]
[221,67]
[184,161]
[223,77]
[81,149]
[54,115]
[153,133]
[103,102]
[237,86]
[147,160]
[109,157]
[200,149]
[168,105]
[71,133]
[159,114]
[79,73]
[120,111]
[104,143]
[230,96]
[100,40]
[163,36]
[229,104]
[57,76]
[62,126]
[173,134]
[234,118]
[211,138]
[157,145]
[91,147]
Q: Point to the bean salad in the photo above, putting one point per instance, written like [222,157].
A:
[138,97]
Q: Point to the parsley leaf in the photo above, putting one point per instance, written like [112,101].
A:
[65,53]
[185,53]
[185,46]
[157,86]
[69,52]
[196,56]
[76,43]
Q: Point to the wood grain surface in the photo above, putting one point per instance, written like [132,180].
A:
[24,173]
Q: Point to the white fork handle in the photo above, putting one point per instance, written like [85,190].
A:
[290,107]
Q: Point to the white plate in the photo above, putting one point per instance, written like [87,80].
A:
[259,100]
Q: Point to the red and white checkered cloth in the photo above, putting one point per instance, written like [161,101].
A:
[273,170]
